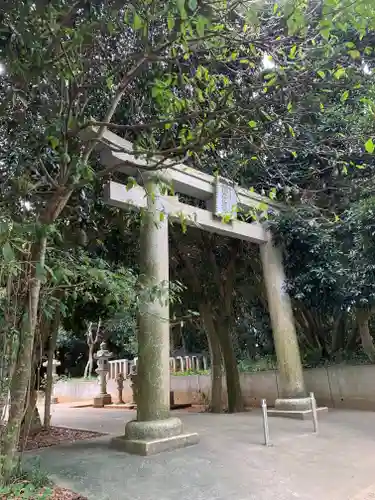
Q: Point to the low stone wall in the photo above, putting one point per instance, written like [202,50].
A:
[74,390]
[351,387]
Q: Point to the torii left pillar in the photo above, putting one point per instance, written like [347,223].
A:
[154,430]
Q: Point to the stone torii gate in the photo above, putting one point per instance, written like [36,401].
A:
[154,430]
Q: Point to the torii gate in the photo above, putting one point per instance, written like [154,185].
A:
[154,430]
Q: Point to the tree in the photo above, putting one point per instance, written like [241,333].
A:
[92,340]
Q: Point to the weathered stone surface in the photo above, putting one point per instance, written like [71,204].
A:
[154,446]
[153,429]
[292,384]
[293,404]
[153,378]
[101,400]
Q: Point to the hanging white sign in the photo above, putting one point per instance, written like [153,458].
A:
[225,199]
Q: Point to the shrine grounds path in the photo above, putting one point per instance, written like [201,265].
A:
[229,463]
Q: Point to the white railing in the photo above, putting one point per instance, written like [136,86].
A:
[176,364]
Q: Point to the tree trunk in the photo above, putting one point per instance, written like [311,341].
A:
[32,422]
[90,362]
[235,399]
[353,337]
[21,376]
[216,405]
[364,332]
[49,377]
[225,284]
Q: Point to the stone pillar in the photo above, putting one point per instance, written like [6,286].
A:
[292,392]
[153,336]
[154,430]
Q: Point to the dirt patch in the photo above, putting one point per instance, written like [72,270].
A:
[64,494]
[57,435]
[23,489]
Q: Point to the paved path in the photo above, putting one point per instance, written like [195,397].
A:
[230,462]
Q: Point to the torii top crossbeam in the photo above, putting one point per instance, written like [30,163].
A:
[119,154]
[221,196]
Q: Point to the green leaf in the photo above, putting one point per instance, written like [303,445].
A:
[193,4]
[344,96]
[271,82]
[339,73]
[325,33]
[354,54]
[8,253]
[252,124]
[109,82]
[181,7]
[275,7]
[170,22]
[370,146]
[131,183]
[200,25]
[289,107]
[54,141]
[292,53]
[272,194]
[137,22]
[321,74]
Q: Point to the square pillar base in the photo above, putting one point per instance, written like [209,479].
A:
[101,400]
[149,437]
[153,446]
[297,414]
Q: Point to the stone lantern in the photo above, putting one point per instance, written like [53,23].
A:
[120,386]
[55,364]
[102,357]
[134,384]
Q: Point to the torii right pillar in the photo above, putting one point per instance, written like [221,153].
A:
[293,400]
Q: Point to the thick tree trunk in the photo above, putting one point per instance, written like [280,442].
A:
[49,377]
[216,405]
[235,399]
[364,332]
[21,375]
